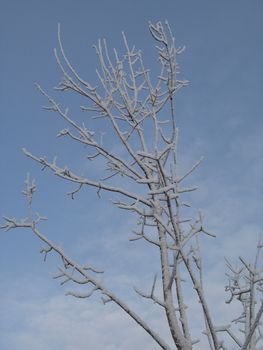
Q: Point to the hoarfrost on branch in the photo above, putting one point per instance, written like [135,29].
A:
[135,107]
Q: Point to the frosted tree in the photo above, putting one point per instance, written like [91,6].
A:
[140,112]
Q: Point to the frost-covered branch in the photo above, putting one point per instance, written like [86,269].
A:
[245,286]
[138,155]
[83,271]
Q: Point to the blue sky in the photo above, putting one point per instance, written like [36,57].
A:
[219,117]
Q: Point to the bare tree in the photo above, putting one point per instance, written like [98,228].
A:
[140,112]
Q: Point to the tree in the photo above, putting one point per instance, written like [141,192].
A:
[141,114]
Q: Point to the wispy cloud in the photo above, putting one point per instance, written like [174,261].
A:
[66,323]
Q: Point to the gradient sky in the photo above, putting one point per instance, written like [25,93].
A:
[219,117]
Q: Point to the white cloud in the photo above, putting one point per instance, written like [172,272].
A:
[65,323]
